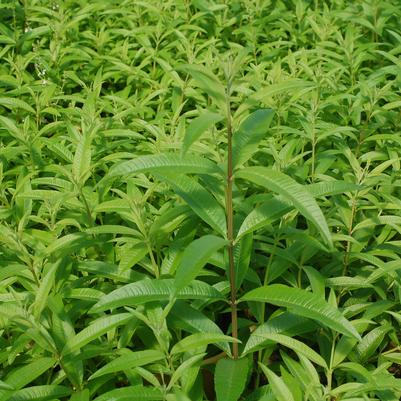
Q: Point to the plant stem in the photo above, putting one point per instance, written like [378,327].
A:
[230,226]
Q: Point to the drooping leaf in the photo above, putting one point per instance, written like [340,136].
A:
[132,393]
[199,340]
[154,290]
[206,80]
[169,163]
[199,199]
[303,303]
[290,190]
[295,345]
[40,393]
[129,361]
[96,329]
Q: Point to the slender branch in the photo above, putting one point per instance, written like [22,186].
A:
[230,225]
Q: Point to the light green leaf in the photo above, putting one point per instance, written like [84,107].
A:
[295,345]
[199,199]
[22,376]
[132,393]
[242,258]
[183,368]
[196,340]
[305,304]
[279,388]
[12,103]
[195,256]
[129,361]
[154,290]
[40,393]
[230,378]
[249,134]
[262,215]
[97,328]
[169,163]
[82,160]
[82,395]
[290,190]
[184,316]
[205,80]
[197,127]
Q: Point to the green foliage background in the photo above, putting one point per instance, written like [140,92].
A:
[113,152]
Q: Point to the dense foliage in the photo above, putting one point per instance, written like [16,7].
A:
[200,200]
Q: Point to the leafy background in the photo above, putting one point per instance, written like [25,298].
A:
[113,144]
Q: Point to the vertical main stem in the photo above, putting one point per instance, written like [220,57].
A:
[230,227]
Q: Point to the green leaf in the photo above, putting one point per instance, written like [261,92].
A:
[262,215]
[82,395]
[199,199]
[296,346]
[205,80]
[370,342]
[279,388]
[305,304]
[195,256]
[184,316]
[290,190]
[242,258]
[40,393]
[183,368]
[284,323]
[12,103]
[230,378]
[249,134]
[129,361]
[97,328]
[82,160]
[196,340]
[132,393]
[21,376]
[197,127]
[169,163]
[153,290]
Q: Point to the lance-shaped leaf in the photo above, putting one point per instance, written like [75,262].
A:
[205,80]
[12,103]
[195,256]
[199,340]
[292,191]
[199,199]
[95,330]
[305,304]
[82,395]
[295,345]
[198,126]
[129,361]
[286,323]
[132,393]
[262,215]
[22,376]
[184,316]
[242,258]
[40,393]
[154,290]
[82,159]
[230,378]
[249,135]
[168,163]
[277,384]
